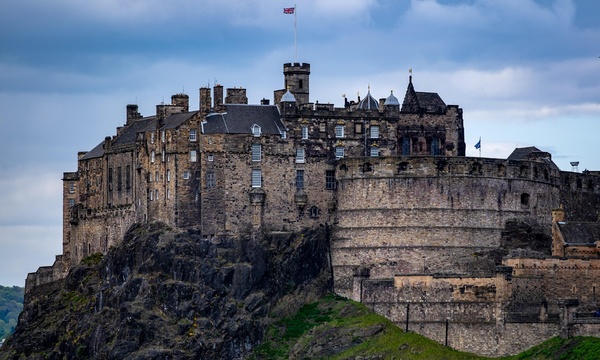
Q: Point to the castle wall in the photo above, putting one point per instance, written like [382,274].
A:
[430,214]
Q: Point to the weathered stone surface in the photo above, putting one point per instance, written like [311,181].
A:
[167,295]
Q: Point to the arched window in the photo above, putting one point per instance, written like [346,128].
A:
[315,212]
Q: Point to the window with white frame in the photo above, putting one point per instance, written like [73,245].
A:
[192,134]
[186,174]
[283,134]
[163,156]
[168,193]
[374,130]
[193,157]
[156,193]
[71,187]
[256,178]
[210,157]
[156,178]
[300,155]
[374,151]
[339,152]
[151,195]
[152,157]
[339,131]
[304,132]
[256,152]
[163,136]
[299,179]
[256,130]
[168,175]
[152,137]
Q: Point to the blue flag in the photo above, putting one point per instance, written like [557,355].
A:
[478,145]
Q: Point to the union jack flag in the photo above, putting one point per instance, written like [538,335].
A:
[289,10]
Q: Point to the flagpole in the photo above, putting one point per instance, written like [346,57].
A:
[295,35]
[480,146]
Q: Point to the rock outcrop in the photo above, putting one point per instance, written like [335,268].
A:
[163,294]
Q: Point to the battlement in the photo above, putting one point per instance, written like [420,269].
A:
[439,166]
[298,67]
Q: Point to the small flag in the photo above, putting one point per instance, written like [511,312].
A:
[289,10]
[478,145]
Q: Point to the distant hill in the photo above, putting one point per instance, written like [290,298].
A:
[11,304]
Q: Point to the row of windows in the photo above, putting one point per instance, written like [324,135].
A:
[256,153]
[163,136]
[340,131]
[257,180]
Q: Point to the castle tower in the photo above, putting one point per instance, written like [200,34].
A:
[296,78]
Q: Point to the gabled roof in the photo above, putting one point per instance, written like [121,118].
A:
[238,119]
[420,102]
[576,232]
[129,133]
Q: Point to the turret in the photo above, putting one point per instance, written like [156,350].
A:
[296,78]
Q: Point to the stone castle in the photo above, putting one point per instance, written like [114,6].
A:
[485,255]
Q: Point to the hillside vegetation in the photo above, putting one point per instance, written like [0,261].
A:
[338,328]
[11,304]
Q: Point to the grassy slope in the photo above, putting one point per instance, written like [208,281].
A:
[337,328]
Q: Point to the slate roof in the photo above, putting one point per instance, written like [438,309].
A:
[419,102]
[522,153]
[129,134]
[391,100]
[238,119]
[584,233]
[368,103]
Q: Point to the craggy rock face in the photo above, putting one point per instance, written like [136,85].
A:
[167,295]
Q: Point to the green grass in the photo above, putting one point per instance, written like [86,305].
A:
[332,317]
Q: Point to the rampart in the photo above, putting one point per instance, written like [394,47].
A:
[431,214]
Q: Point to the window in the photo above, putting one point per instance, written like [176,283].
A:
[283,134]
[152,138]
[163,156]
[110,179]
[156,178]
[299,179]
[71,202]
[525,199]
[168,193]
[374,151]
[128,177]
[314,212]
[300,155]
[435,146]
[322,127]
[256,130]
[256,152]
[339,131]
[210,179]
[405,146]
[374,131]
[339,152]
[256,178]
[156,193]
[211,157]
[71,187]
[162,136]
[119,178]
[168,175]
[186,174]
[193,135]
[330,179]
[151,195]
[152,157]
[304,132]
[192,155]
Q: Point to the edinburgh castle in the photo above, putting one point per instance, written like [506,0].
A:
[485,255]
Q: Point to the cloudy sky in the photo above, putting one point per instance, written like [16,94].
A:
[526,72]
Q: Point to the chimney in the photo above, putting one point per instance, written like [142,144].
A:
[236,96]
[205,101]
[218,94]
[132,113]
[181,100]
[264,101]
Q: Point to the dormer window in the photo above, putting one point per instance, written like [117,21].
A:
[256,130]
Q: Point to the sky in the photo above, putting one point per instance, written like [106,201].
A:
[525,72]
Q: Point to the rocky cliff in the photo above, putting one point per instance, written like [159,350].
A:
[163,294]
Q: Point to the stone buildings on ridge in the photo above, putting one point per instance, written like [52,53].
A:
[415,223]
